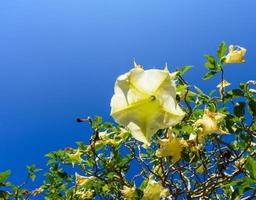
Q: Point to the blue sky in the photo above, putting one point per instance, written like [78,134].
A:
[59,60]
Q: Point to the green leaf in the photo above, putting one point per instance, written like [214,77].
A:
[4,175]
[222,50]
[209,75]
[184,69]
[4,195]
[239,109]
[210,58]
[212,92]
[250,165]
[199,90]
[209,65]
[243,86]
[97,121]
[33,177]
[242,185]
[252,107]
[144,184]
[235,93]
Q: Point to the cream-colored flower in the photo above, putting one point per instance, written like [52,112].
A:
[128,192]
[75,157]
[165,193]
[171,147]
[209,123]
[103,135]
[223,84]
[152,191]
[236,54]
[123,133]
[83,180]
[84,194]
[145,101]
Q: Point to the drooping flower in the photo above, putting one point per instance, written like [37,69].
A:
[236,54]
[153,190]
[83,180]
[222,85]
[209,123]
[128,192]
[165,193]
[145,101]
[84,194]
[172,146]
[75,157]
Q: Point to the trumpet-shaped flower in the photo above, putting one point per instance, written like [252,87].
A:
[145,101]
[128,192]
[153,191]
[171,147]
[76,157]
[83,180]
[236,54]
[210,122]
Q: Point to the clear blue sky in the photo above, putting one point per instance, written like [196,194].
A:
[59,60]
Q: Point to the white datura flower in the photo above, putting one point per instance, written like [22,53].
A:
[236,54]
[209,123]
[152,191]
[172,146]
[145,101]
[128,192]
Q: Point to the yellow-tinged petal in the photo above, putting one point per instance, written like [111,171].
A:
[210,123]
[152,191]
[223,84]
[165,193]
[84,194]
[137,65]
[145,101]
[76,157]
[83,180]
[128,192]
[103,135]
[236,54]
[171,147]
[200,169]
